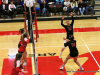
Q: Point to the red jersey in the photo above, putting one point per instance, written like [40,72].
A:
[20,39]
[17,68]
[22,48]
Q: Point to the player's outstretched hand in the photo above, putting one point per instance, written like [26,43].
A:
[70,14]
[62,17]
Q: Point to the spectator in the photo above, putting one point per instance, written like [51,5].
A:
[12,9]
[67,5]
[37,8]
[59,1]
[44,7]
[90,6]
[74,6]
[4,8]
[5,1]
[81,7]
[21,2]
[51,2]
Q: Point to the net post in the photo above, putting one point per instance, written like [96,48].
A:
[36,26]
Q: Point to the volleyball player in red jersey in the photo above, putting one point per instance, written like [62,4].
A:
[21,31]
[22,49]
[18,66]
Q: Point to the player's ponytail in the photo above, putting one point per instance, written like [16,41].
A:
[24,36]
[18,56]
[71,37]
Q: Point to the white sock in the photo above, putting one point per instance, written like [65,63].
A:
[61,52]
[80,66]
[63,65]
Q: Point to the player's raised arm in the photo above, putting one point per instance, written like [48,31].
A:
[62,22]
[72,19]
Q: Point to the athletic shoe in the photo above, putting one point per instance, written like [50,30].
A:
[81,68]
[61,68]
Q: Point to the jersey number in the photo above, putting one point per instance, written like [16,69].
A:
[69,28]
[73,44]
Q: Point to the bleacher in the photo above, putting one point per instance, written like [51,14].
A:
[55,9]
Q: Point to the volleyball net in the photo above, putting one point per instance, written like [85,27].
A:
[32,39]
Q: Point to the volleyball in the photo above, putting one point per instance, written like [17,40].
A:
[64,8]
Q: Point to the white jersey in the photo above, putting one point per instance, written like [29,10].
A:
[29,3]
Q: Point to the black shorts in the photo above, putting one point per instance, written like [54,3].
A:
[74,54]
[65,44]
[20,52]
[19,45]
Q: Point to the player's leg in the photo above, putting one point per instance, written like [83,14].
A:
[65,41]
[25,58]
[75,60]
[61,51]
[65,61]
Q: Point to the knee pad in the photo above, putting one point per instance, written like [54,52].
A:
[64,41]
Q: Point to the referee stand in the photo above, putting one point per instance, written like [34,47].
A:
[31,25]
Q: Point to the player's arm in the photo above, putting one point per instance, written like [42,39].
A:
[72,19]
[62,22]
[27,39]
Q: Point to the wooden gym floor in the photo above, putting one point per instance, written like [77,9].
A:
[87,34]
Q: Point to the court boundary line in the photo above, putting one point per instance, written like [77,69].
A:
[70,67]
[91,53]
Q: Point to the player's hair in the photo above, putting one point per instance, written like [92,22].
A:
[21,30]
[24,36]
[71,37]
[18,56]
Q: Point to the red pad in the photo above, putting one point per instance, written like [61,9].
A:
[50,66]
[8,64]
